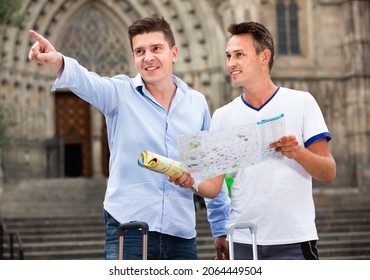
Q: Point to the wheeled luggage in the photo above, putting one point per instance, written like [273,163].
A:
[133,225]
[241,225]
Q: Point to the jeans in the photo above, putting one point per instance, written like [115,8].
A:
[298,251]
[160,246]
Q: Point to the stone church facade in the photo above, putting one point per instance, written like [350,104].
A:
[322,46]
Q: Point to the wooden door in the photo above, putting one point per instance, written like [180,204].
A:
[72,117]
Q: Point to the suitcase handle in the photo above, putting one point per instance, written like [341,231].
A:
[131,226]
[134,225]
[242,225]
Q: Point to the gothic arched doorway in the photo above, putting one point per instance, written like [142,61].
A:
[72,123]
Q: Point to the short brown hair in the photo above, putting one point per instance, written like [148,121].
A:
[152,24]
[262,37]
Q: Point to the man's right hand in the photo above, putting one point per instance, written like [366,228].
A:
[43,52]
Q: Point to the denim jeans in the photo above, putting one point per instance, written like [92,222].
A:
[160,246]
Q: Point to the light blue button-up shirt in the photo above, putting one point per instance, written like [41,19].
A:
[136,122]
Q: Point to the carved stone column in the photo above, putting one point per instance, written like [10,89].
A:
[96,142]
[357,48]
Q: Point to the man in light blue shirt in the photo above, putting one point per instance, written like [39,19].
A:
[146,112]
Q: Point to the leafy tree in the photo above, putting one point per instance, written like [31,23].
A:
[4,140]
[10,12]
[10,15]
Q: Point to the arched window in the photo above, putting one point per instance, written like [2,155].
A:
[288,28]
[293,26]
[96,43]
[282,32]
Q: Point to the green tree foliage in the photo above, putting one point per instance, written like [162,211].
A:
[10,15]
[10,12]
[4,140]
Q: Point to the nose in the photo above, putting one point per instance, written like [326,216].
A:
[230,62]
[148,56]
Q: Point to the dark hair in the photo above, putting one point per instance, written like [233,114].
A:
[262,37]
[152,24]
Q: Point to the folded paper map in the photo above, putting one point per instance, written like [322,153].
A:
[159,163]
[207,154]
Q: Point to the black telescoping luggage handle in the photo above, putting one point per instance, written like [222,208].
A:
[134,225]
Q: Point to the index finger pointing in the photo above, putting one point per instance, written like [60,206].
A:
[37,37]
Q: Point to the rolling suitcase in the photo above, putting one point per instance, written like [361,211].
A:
[230,231]
[133,225]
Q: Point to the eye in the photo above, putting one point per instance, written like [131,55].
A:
[239,54]
[139,52]
[156,48]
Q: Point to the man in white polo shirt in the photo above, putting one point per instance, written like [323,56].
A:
[275,194]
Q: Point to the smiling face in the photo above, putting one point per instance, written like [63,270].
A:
[153,57]
[245,66]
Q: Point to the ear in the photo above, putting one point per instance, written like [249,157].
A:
[175,53]
[265,56]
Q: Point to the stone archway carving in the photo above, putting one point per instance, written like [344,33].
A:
[200,64]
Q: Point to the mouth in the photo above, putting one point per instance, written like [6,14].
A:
[235,73]
[151,68]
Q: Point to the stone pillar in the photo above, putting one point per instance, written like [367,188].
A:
[96,142]
[357,49]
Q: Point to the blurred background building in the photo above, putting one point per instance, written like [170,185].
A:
[57,163]
[322,46]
